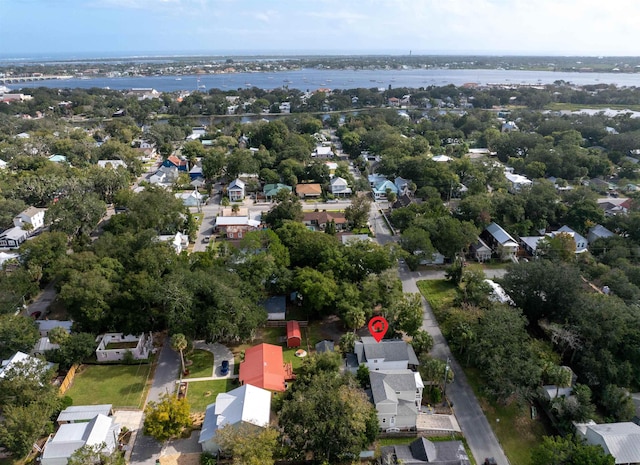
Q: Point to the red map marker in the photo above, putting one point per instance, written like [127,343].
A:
[378,327]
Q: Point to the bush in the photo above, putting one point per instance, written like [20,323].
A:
[207,458]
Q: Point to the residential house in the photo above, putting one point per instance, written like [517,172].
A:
[348,238]
[402,185]
[402,201]
[113,164]
[339,187]
[244,405]
[8,257]
[422,451]
[236,190]
[196,172]
[501,243]
[309,191]
[621,440]
[83,413]
[322,151]
[388,354]
[190,199]
[13,237]
[24,363]
[114,346]
[397,396]
[101,430]
[613,206]
[276,307]
[517,182]
[235,227]
[509,126]
[530,244]
[164,175]
[376,178]
[333,166]
[319,220]
[264,367]
[178,241]
[580,241]
[174,161]
[598,232]
[294,336]
[197,133]
[380,190]
[271,190]
[480,251]
[3,164]
[32,216]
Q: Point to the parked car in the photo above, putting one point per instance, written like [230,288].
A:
[490,461]
[224,367]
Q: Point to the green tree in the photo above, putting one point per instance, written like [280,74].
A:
[331,418]
[179,343]
[76,215]
[96,454]
[58,335]
[319,290]
[17,333]
[167,418]
[23,425]
[556,450]
[357,214]
[75,348]
[422,342]
[248,444]
[560,247]
[287,207]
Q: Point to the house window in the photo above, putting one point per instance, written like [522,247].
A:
[375,361]
[384,420]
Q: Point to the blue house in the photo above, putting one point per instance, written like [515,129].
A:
[380,189]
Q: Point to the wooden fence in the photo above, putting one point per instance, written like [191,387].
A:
[68,380]
[283,323]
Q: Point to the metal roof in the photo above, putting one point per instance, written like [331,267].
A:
[83,412]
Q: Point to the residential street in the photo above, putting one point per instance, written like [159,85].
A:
[146,449]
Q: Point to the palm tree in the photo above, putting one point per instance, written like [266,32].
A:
[179,343]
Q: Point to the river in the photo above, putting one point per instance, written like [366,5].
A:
[312,79]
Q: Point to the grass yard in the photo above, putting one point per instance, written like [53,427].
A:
[120,385]
[202,393]
[202,364]
[440,294]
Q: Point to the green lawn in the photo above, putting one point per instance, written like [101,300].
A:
[440,294]
[202,393]
[120,385]
[202,364]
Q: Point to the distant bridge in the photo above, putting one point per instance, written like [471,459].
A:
[44,77]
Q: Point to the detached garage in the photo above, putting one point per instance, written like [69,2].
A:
[294,338]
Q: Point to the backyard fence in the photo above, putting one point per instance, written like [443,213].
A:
[68,380]
[283,323]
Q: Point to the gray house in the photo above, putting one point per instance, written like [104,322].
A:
[388,354]
[397,395]
[423,451]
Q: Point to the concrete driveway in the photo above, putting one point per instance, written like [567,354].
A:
[220,353]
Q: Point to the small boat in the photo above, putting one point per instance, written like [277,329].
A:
[202,86]
[178,79]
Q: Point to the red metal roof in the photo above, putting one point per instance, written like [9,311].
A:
[263,367]
[294,337]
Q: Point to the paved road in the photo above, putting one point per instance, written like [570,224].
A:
[473,423]
[42,301]
[146,449]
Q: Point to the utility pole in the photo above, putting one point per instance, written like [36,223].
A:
[446,373]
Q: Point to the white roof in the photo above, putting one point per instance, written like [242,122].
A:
[48,325]
[72,436]
[16,233]
[7,256]
[84,412]
[517,179]
[248,404]
[113,163]
[239,183]
[236,221]
[441,158]
[31,363]
[322,150]
[622,440]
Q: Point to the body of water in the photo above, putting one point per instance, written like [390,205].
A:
[312,79]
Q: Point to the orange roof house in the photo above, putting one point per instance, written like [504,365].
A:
[294,338]
[309,190]
[263,367]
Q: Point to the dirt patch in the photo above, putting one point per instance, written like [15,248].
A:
[180,459]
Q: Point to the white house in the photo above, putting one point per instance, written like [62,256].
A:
[598,232]
[72,436]
[13,237]
[581,241]
[190,199]
[236,190]
[114,346]
[32,216]
[178,241]
[114,164]
[322,151]
[397,396]
[517,182]
[621,440]
[82,413]
[340,187]
[500,242]
[388,354]
[26,363]
[480,251]
[247,404]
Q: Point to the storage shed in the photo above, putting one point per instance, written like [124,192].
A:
[294,338]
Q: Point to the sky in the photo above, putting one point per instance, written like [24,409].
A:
[131,27]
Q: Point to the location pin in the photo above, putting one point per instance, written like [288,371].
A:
[378,327]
